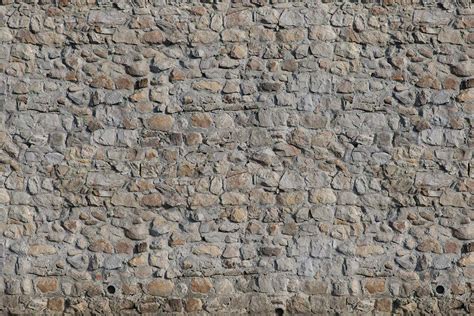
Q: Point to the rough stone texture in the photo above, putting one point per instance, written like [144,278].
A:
[227,157]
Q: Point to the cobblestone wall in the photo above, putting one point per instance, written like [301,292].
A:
[251,156]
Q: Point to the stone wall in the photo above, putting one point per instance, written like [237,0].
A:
[251,156]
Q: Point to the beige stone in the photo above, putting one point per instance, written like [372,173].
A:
[152,200]
[201,285]
[201,120]
[47,284]
[160,122]
[160,287]
[210,86]
[154,37]
[37,250]
[323,196]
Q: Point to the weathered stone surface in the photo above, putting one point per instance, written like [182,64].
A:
[236,157]
[46,285]
[465,232]
[160,122]
[159,287]
[109,17]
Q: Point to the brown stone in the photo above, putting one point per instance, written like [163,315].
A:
[383,305]
[47,284]
[203,200]
[291,198]
[103,82]
[271,251]
[101,245]
[56,304]
[202,120]
[451,247]
[123,83]
[160,287]
[239,181]
[139,261]
[193,305]
[41,250]
[429,245]
[293,35]
[124,247]
[428,81]
[203,37]
[154,37]
[160,122]
[177,75]
[207,85]
[238,215]
[369,250]
[193,138]
[323,196]
[210,250]
[201,285]
[125,36]
[375,285]
[238,52]
[467,260]
[466,95]
[152,200]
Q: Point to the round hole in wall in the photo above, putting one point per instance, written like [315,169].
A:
[440,290]
[111,289]
[278,311]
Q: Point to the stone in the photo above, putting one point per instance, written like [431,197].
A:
[5,35]
[210,250]
[236,157]
[137,232]
[193,305]
[160,122]
[291,180]
[463,69]
[56,304]
[451,198]
[201,285]
[4,196]
[238,215]
[109,17]
[203,200]
[102,82]
[322,196]
[465,232]
[138,69]
[466,96]
[47,284]
[154,37]
[152,200]
[126,37]
[101,245]
[160,287]
[201,120]
[124,199]
[322,33]
[203,37]
[238,52]
[209,86]
[369,250]
[37,250]
[467,260]
[375,285]
[450,36]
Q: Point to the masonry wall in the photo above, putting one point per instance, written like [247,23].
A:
[236,157]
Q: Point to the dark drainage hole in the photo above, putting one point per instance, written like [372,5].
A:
[278,311]
[440,289]
[111,289]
